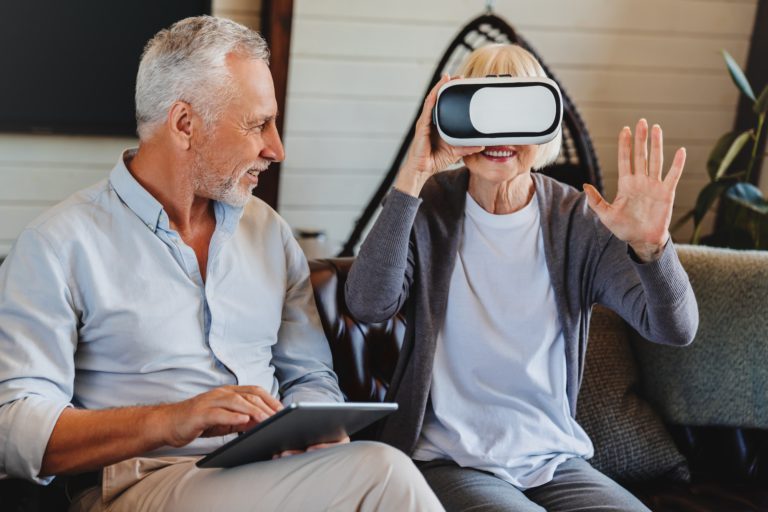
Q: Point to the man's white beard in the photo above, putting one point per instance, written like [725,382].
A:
[233,193]
[229,190]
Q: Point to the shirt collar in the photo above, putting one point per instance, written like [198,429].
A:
[136,197]
[227,216]
[149,209]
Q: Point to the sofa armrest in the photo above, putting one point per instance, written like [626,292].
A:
[364,355]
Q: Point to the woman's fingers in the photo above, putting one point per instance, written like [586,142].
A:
[625,152]
[596,201]
[674,174]
[641,147]
[657,153]
[634,157]
[425,119]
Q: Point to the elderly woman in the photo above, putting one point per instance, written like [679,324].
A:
[496,269]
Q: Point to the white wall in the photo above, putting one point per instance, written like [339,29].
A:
[359,67]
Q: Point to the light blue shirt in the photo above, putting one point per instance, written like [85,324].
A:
[102,305]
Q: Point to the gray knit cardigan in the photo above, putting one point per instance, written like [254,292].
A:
[407,260]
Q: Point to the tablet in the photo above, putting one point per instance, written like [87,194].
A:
[296,427]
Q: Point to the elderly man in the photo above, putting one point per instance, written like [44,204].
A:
[146,320]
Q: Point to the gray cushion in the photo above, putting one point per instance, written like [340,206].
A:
[722,378]
[631,442]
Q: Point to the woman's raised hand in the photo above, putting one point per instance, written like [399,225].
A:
[428,153]
[642,210]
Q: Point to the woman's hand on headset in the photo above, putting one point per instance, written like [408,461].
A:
[428,154]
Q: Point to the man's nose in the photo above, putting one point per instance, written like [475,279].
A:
[273,147]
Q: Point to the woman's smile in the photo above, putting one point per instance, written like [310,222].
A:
[499,154]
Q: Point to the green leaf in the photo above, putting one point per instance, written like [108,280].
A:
[706,199]
[761,105]
[732,153]
[748,196]
[738,76]
[718,153]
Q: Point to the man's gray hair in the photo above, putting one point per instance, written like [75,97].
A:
[187,62]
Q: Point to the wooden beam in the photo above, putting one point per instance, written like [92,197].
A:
[276,22]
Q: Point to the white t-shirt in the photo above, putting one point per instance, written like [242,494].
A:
[498,399]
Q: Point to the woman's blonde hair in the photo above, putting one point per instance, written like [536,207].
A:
[510,59]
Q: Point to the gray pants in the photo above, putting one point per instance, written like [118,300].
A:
[576,486]
[360,476]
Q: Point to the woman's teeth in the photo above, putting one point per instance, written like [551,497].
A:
[499,154]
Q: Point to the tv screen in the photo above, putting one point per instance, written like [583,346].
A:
[69,66]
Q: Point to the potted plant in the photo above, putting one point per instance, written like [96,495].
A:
[744,209]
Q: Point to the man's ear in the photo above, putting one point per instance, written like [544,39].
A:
[181,124]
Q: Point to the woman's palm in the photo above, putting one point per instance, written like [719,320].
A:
[642,210]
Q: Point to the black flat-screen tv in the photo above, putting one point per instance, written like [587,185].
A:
[69,66]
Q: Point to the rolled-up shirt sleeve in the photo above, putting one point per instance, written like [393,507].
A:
[38,338]
[302,356]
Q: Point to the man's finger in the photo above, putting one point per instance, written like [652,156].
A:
[239,403]
[217,418]
[237,400]
[286,453]
[265,395]
[258,402]
[320,446]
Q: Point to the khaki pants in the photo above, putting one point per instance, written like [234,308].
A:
[357,476]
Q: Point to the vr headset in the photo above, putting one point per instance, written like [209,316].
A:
[498,111]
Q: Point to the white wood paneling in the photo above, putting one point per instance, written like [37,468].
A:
[320,190]
[358,70]
[408,42]
[697,17]
[314,153]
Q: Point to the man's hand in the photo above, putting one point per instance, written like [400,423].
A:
[218,412]
[87,440]
[319,446]
[641,213]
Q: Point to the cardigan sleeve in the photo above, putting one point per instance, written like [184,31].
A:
[379,280]
[655,298]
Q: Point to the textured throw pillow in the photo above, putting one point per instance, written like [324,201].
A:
[722,378]
[631,442]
